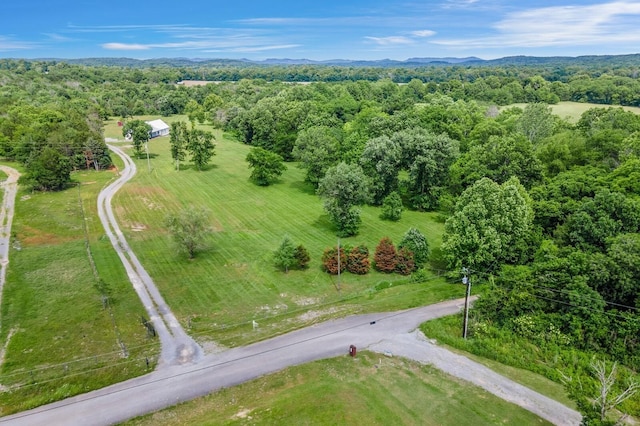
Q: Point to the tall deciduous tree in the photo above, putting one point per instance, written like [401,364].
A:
[266,166]
[381,161]
[416,242]
[343,188]
[49,170]
[500,159]
[201,147]
[316,149]
[427,157]
[536,122]
[179,140]
[194,111]
[189,229]
[392,207]
[490,226]
[138,130]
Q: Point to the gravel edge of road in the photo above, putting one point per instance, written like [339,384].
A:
[416,346]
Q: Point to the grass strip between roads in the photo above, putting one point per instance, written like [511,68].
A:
[369,389]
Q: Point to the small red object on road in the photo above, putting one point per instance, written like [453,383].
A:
[352,350]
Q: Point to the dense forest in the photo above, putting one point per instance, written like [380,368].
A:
[545,210]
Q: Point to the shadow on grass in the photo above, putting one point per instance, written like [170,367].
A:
[143,156]
[205,168]
[324,223]
[304,187]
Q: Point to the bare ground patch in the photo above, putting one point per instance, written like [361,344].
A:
[35,237]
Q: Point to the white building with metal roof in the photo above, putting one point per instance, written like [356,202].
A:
[158,128]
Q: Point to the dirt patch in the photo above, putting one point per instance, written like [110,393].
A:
[216,226]
[242,414]
[211,347]
[35,237]
[138,227]
[25,197]
[148,195]
[272,310]
[305,301]
[314,315]
[3,351]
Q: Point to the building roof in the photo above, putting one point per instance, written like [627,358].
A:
[157,125]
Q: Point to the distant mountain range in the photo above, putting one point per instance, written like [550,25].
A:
[632,59]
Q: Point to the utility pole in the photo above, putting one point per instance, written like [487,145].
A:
[467,282]
[338,265]
[146,147]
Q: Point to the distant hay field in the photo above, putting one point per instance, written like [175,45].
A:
[571,111]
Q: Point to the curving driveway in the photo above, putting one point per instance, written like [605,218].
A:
[177,346]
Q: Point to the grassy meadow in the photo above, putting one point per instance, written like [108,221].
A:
[69,313]
[367,390]
[571,111]
[234,281]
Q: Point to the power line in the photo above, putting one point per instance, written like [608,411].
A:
[67,402]
[202,333]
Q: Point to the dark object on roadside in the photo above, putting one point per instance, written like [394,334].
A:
[352,350]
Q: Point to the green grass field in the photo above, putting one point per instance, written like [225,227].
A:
[234,281]
[367,390]
[60,337]
[571,111]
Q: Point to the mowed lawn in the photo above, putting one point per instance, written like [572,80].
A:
[370,389]
[234,281]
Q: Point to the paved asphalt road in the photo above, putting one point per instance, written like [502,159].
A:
[177,383]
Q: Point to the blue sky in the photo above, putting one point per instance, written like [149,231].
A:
[319,30]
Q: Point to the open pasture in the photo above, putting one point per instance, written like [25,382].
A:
[571,111]
[234,282]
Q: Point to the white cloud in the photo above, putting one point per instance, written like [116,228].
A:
[122,28]
[57,37]
[205,39]
[458,4]
[391,40]
[615,22]
[254,49]
[7,43]
[423,33]
[125,46]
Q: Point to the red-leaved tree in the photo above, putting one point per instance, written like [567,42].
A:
[358,260]
[330,260]
[385,256]
[405,263]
